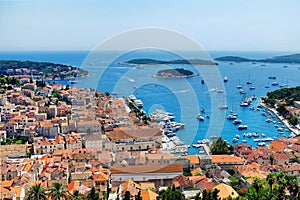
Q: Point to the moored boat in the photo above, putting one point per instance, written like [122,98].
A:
[242,127]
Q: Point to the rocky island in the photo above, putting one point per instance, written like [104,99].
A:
[174,73]
[147,61]
[289,59]
[45,70]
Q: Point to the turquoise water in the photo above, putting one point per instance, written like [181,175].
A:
[177,96]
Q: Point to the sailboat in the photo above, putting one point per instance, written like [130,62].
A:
[239,85]
[249,81]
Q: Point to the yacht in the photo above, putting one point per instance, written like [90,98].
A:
[242,91]
[200,117]
[242,127]
[223,107]
[225,79]
[244,104]
[231,117]
[275,84]
[237,121]
[244,141]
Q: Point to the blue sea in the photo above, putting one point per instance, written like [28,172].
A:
[183,97]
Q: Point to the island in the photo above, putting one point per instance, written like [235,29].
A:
[174,73]
[289,59]
[147,61]
[45,70]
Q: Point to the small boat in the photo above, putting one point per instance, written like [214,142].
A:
[244,141]
[252,108]
[252,88]
[237,121]
[207,116]
[225,79]
[196,145]
[268,120]
[284,66]
[223,107]
[242,91]
[261,144]
[202,110]
[237,136]
[231,117]
[248,82]
[239,86]
[281,85]
[259,106]
[267,86]
[244,104]
[202,81]
[275,84]
[272,77]
[255,134]
[220,91]
[235,140]
[200,117]
[242,127]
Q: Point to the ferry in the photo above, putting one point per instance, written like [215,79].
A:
[242,127]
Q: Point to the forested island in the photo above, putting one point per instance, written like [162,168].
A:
[45,70]
[290,59]
[174,73]
[147,61]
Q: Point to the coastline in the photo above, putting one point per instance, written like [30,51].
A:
[167,77]
[294,131]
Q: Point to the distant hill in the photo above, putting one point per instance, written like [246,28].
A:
[294,58]
[47,70]
[147,61]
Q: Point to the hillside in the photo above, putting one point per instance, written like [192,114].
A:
[293,58]
[147,61]
[47,70]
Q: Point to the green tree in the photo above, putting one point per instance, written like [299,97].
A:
[171,194]
[293,121]
[221,147]
[281,109]
[36,192]
[93,195]
[58,192]
[76,195]
[127,196]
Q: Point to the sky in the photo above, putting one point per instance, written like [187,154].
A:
[237,25]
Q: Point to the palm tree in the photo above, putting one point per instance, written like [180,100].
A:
[36,192]
[58,192]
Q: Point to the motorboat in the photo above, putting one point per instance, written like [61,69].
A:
[242,91]
[237,121]
[242,127]
[235,140]
[275,84]
[225,79]
[272,77]
[244,104]
[231,117]
[223,107]
[200,117]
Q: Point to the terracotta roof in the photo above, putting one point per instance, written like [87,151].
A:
[198,170]
[226,159]
[226,191]
[149,195]
[193,159]
[277,146]
[135,169]
[125,133]
[7,183]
